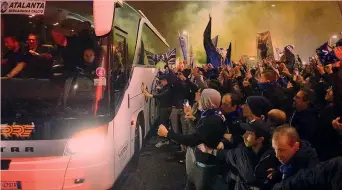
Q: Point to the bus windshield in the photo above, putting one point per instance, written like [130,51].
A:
[53,65]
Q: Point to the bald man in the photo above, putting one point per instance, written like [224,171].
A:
[275,118]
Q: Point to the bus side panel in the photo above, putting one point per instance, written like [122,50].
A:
[122,130]
[138,101]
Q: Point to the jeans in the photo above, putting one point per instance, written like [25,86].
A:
[175,119]
[199,178]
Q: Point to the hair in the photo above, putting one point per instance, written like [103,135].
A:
[236,99]
[309,94]
[286,130]
[36,35]
[270,75]
[14,38]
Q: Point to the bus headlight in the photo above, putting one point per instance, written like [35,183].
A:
[89,141]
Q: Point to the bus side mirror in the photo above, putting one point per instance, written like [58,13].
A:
[103,16]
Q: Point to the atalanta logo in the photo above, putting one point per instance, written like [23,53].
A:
[4,7]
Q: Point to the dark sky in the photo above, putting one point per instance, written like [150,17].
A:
[303,24]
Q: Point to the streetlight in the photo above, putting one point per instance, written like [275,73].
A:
[273,5]
[331,39]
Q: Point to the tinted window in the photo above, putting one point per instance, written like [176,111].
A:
[152,42]
[128,20]
[65,64]
[150,47]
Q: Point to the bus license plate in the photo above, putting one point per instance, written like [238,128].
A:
[10,185]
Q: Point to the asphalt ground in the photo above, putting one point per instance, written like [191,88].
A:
[153,170]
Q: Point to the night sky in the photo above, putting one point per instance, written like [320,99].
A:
[306,25]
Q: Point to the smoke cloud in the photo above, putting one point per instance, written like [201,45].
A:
[306,25]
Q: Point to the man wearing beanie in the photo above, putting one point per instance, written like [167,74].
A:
[255,111]
[256,108]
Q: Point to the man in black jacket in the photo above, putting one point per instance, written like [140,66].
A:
[330,145]
[326,175]
[293,153]
[304,118]
[165,104]
[231,108]
[251,160]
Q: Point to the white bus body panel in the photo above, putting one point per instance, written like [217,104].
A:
[60,172]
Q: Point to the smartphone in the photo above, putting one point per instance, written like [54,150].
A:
[186,103]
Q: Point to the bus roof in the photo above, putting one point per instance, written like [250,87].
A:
[149,24]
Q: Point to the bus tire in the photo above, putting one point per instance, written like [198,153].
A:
[137,142]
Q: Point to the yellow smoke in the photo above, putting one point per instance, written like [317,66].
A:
[306,25]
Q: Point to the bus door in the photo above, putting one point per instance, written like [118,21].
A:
[120,78]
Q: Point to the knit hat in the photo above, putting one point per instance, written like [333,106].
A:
[259,105]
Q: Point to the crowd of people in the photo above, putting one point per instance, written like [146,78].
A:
[243,128]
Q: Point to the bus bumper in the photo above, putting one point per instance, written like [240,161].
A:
[57,173]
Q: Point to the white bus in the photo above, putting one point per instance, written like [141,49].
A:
[73,115]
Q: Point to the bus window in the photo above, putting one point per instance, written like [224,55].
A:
[150,46]
[143,56]
[65,66]
[120,67]
[127,19]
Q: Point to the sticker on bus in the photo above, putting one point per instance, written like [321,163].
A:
[100,81]
[16,130]
[100,72]
[31,7]
[11,185]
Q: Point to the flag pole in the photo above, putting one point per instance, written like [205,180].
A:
[188,52]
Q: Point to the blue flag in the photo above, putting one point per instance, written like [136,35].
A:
[213,56]
[151,57]
[229,55]
[325,55]
[170,57]
[183,44]
[215,40]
